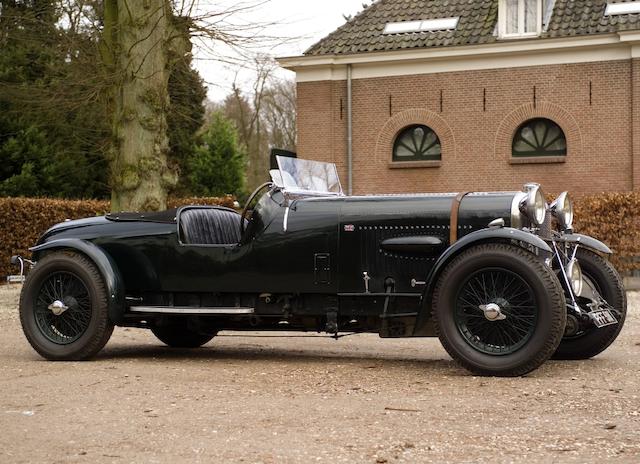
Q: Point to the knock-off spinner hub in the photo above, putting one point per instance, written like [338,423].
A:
[58,307]
[493,312]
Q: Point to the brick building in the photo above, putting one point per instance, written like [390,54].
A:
[476,95]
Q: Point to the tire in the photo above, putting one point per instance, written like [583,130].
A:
[609,284]
[178,334]
[529,296]
[83,329]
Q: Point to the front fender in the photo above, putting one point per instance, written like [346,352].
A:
[107,268]
[475,238]
[587,242]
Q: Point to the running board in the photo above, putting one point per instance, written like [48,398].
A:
[186,310]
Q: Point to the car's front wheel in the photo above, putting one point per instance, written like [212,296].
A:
[178,333]
[499,310]
[63,308]
[584,344]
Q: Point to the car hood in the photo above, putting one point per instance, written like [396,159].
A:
[116,224]
[476,209]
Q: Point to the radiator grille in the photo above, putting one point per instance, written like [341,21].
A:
[547,226]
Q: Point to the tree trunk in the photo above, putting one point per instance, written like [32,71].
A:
[137,53]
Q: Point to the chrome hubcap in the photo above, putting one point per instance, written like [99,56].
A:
[493,312]
[57,307]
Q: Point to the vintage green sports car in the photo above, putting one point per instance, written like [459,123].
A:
[499,277]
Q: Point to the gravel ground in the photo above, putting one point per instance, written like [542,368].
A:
[256,398]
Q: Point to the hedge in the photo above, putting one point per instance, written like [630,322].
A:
[611,217]
[22,220]
[614,218]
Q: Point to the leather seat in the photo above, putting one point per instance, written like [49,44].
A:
[209,226]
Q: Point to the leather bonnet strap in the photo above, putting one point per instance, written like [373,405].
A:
[455,207]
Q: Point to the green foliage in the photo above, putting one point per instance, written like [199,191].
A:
[186,113]
[22,153]
[34,167]
[54,124]
[217,165]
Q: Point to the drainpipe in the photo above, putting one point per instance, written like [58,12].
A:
[349,134]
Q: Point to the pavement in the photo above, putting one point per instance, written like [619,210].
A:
[265,398]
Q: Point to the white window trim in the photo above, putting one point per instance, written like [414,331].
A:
[426,25]
[502,21]
[613,9]
[402,27]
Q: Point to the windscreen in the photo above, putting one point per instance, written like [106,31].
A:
[304,176]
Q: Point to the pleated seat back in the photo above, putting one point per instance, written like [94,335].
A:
[209,226]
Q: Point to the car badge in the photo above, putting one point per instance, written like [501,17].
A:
[349,228]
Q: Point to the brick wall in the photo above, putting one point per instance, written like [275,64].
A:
[475,119]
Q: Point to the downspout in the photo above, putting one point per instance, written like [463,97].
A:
[349,134]
[632,76]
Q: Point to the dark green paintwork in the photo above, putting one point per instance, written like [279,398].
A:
[342,233]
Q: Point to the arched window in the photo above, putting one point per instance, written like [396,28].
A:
[539,137]
[416,143]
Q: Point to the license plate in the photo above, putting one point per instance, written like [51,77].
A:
[602,318]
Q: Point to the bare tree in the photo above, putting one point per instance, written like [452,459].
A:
[279,113]
[264,115]
[135,54]
[250,124]
[140,41]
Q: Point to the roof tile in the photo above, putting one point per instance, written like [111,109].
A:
[364,33]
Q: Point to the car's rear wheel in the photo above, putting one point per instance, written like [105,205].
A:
[585,344]
[178,333]
[64,309]
[499,310]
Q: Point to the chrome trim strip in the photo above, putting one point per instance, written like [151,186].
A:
[188,310]
[405,295]
[285,221]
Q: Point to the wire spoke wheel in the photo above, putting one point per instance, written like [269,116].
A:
[63,308]
[499,310]
[496,311]
[580,342]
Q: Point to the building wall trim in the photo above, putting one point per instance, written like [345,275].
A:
[505,54]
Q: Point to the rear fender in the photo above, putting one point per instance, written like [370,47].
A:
[108,269]
[518,237]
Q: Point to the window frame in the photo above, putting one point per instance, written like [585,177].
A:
[502,20]
[414,159]
[537,155]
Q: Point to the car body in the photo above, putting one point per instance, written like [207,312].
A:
[304,256]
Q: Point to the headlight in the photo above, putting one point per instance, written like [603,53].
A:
[534,205]
[562,209]
[574,273]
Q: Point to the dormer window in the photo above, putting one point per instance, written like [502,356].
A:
[613,9]
[425,25]
[520,18]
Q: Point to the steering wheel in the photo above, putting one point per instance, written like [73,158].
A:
[245,212]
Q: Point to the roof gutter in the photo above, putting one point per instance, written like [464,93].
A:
[504,47]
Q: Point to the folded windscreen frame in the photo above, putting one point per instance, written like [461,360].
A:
[280,152]
[308,177]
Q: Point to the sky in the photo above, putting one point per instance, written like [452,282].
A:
[302,22]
